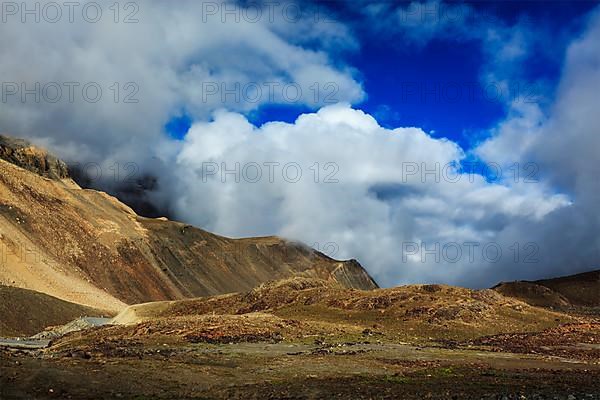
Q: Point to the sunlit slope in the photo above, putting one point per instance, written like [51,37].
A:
[86,247]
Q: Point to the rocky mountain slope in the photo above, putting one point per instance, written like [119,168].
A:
[324,308]
[20,152]
[86,247]
[25,312]
[580,290]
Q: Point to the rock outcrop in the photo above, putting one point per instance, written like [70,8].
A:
[23,154]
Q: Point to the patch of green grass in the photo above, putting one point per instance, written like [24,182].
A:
[397,379]
[447,371]
[439,372]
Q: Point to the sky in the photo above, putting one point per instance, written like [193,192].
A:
[447,142]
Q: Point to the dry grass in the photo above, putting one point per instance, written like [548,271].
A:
[413,313]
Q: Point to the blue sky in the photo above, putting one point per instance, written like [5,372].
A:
[401,78]
[544,56]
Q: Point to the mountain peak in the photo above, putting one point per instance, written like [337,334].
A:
[24,154]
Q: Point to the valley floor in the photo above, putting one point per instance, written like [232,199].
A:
[284,370]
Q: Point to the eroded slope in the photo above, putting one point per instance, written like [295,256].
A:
[580,290]
[24,312]
[85,246]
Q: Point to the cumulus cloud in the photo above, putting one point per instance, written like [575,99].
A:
[541,212]
[401,201]
[189,56]
[564,146]
[337,178]
[98,84]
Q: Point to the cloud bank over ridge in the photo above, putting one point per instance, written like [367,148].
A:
[400,200]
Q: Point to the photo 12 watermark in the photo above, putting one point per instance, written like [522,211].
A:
[253,12]
[454,172]
[259,92]
[440,13]
[24,254]
[268,172]
[69,92]
[469,252]
[71,12]
[454,92]
[116,172]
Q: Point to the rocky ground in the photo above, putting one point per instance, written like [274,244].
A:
[274,369]
[307,339]
[574,341]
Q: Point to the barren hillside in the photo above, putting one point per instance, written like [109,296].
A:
[24,312]
[580,290]
[86,247]
[320,307]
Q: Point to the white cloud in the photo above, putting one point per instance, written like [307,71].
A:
[514,137]
[175,55]
[564,146]
[379,201]
[377,204]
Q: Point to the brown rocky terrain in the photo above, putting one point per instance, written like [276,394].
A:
[267,370]
[86,247]
[578,341]
[580,291]
[301,307]
[305,338]
[22,153]
[25,312]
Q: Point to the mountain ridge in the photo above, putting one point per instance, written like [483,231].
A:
[87,247]
[570,291]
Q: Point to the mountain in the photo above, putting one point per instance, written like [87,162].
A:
[86,247]
[580,290]
[25,312]
[22,153]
